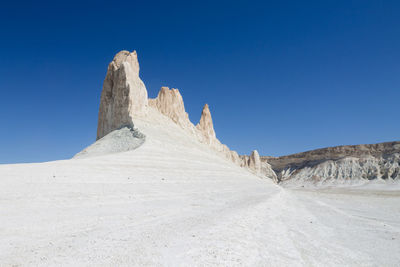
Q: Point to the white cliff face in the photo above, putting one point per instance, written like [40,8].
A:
[205,126]
[257,166]
[345,170]
[124,94]
[124,99]
[170,103]
[339,165]
[255,162]
[267,171]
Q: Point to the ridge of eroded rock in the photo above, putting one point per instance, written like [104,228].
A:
[124,97]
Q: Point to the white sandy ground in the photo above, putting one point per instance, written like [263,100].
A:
[173,202]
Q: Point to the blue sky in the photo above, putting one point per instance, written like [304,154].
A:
[280,76]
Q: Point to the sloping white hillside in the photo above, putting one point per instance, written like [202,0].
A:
[174,202]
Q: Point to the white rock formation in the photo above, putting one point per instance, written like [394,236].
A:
[258,167]
[255,162]
[339,165]
[124,94]
[208,136]
[124,98]
[345,170]
[267,171]
[205,126]
[170,103]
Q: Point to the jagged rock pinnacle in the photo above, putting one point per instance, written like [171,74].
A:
[255,162]
[205,125]
[170,103]
[124,94]
[124,98]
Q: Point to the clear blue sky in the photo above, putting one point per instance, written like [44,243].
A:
[279,76]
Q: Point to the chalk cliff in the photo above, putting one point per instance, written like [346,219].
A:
[205,126]
[124,98]
[339,164]
[170,103]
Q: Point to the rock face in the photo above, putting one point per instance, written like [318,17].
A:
[255,162]
[348,169]
[208,136]
[170,103]
[258,167]
[205,126]
[339,164]
[124,94]
[124,98]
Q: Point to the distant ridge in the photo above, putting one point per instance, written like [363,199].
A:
[366,161]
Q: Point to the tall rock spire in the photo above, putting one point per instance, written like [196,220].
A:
[255,162]
[206,126]
[124,94]
[124,99]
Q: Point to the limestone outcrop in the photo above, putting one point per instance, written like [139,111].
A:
[123,96]
[258,167]
[170,103]
[205,125]
[255,162]
[339,164]
[345,170]
[208,136]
